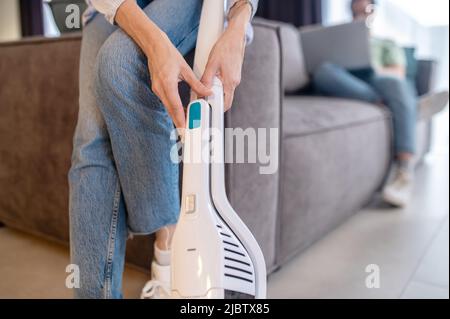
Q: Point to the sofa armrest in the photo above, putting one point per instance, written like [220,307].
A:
[257,104]
[39,106]
[426,71]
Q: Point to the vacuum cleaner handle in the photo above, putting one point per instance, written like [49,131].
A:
[199,256]
[211,28]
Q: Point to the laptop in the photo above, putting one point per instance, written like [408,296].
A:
[347,45]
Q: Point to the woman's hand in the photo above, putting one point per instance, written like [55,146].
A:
[167,68]
[166,65]
[227,56]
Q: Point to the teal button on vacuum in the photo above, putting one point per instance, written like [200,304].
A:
[195,115]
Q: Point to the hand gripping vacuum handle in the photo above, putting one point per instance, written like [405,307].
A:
[210,179]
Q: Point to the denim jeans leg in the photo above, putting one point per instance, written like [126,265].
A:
[332,80]
[402,102]
[121,150]
[138,124]
[96,209]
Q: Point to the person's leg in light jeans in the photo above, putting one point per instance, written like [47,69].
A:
[97,215]
[395,93]
[122,177]
[332,80]
[401,100]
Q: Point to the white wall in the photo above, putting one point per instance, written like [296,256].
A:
[336,11]
[9,20]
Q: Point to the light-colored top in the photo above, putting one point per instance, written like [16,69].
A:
[109,9]
[386,53]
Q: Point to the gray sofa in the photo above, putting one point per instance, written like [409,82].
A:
[334,154]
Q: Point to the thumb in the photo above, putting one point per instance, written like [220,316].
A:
[199,88]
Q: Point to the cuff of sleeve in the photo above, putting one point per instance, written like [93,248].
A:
[231,3]
[249,32]
[114,6]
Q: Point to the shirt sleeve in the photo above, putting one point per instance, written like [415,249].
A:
[393,55]
[107,7]
[230,4]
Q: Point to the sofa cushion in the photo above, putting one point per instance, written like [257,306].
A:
[327,177]
[336,154]
[295,76]
[304,115]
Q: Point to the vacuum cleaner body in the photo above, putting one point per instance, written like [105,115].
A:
[214,255]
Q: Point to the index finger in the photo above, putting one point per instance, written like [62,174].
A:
[175,106]
[208,75]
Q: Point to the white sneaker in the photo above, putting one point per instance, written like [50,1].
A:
[399,191]
[431,104]
[159,286]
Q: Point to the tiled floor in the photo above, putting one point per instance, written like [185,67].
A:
[410,247]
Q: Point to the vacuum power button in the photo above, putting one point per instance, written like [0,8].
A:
[195,115]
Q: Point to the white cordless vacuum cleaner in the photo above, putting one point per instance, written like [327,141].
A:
[214,255]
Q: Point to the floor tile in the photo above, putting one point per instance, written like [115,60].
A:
[434,268]
[418,290]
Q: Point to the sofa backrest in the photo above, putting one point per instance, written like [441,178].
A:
[39,106]
[295,75]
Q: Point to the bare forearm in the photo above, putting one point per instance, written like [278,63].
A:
[138,26]
[227,56]
[395,70]
[239,17]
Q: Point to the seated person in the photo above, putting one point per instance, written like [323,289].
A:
[388,86]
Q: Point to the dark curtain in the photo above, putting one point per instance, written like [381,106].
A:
[31,16]
[297,12]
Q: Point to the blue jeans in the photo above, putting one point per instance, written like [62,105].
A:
[122,179]
[395,93]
